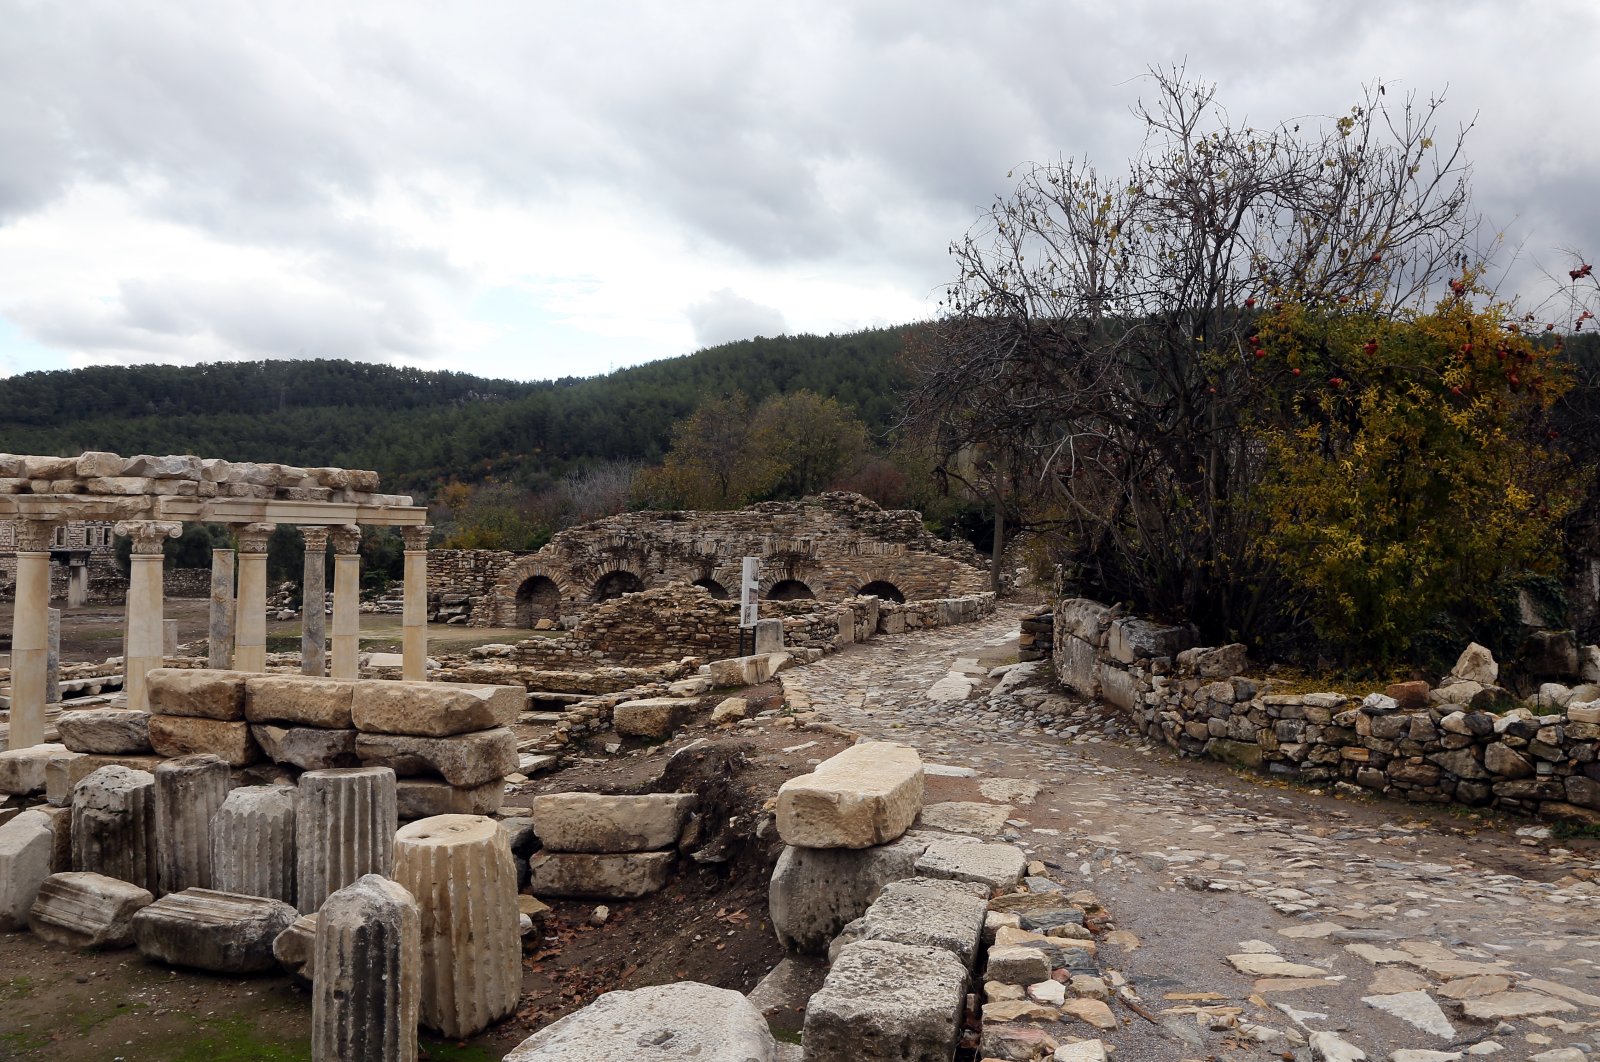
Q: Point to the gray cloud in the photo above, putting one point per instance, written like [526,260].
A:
[724,316]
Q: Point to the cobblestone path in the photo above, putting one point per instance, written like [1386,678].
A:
[1254,919]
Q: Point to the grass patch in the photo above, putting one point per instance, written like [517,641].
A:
[1567,831]
[441,1051]
[16,988]
[234,1040]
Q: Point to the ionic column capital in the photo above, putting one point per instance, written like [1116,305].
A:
[148,535]
[316,539]
[346,538]
[253,537]
[416,537]
[33,536]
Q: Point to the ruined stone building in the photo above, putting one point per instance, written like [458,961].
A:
[83,552]
[829,547]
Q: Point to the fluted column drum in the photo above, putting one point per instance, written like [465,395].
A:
[344,828]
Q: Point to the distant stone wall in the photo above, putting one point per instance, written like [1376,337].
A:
[1419,744]
[186,582]
[462,581]
[834,546]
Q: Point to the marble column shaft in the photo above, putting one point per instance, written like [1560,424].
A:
[367,991]
[30,634]
[414,646]
[250,618]
[347,602]
[146,635]
[114,825]
[189,792]
[77,585]
[52,659]
[314,604]
[252,842]
[219,631]
[344,828]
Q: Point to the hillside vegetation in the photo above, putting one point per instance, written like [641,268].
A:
[420,428]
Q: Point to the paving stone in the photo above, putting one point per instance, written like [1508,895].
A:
[1256,965]
[999,866]
[1414,1008]
[221,932]
[1508,1005]
[979,820]
[936,914]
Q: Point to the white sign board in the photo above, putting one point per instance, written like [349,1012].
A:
[749,591]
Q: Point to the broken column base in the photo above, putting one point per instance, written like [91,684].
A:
[685,1020]
[222,932]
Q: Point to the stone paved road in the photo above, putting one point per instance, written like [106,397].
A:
[1351,925]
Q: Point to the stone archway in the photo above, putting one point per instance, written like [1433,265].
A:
[614,584]
[883,590]
[790,590]
[537,598]
[712,587]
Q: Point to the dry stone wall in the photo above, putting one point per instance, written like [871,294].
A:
[833,546]
[1465,742]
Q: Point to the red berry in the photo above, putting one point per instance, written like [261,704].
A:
[1251,301]
[1295,371]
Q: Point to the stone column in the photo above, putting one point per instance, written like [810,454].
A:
[347,602]
[344,828]
[219,632]
[252,842]
[52,659]
[189,792]
[460,870]
[30,634]
[250,618]
[414,662]
[113,825]
[368,981]
[77,584]
[145,627]
[314,604]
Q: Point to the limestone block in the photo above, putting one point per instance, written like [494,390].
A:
[66,769]
[197,692]
[94,464]
[252,842]
[884,1001]
[625,876]
[368,998]
[927,913]
[114,825]
[22,770]
[27,847]
[1016,964]
[106,731]
[218,931]
[730,710]
[462,760]
[966,816]
[83,910]
[652,717]
[434,709]
[592,822]
[422,798]
[1219,663]
[459,869]
[747,670]
[300,701]
[189,791]
[997,866]
[1476,664]
[118,486]
[685,1020]
[174,466]
[815,892]
[306,747]
[344,828]
[179,735]
[296,949]
[867,795]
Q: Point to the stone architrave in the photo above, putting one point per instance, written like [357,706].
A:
[684,1020]
[114,826]
[367,995]
[219,628]
[217,931]
[344,828]
[459,868]
[250,618]
[30,633]
[346,602]
[52,659]
[414,643]
[145,624]
[189,792]
[867,795]
[252,842]
[314,603]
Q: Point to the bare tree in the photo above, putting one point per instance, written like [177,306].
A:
[1099,331]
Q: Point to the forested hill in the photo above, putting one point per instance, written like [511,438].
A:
[418,428]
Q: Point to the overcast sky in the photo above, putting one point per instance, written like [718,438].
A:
[545,189]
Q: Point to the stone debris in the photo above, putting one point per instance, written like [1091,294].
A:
[22,770]
[296,949]
[462,760]
[997,866]
[459,870]
[367,1001]
[652,718]
[217,931]
[27,845]
[84,910]
[685,1020]
[107,731]
[305,747]
[815,892]
[867,795]
[625,876]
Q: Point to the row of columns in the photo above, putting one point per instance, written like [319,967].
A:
[238,626]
